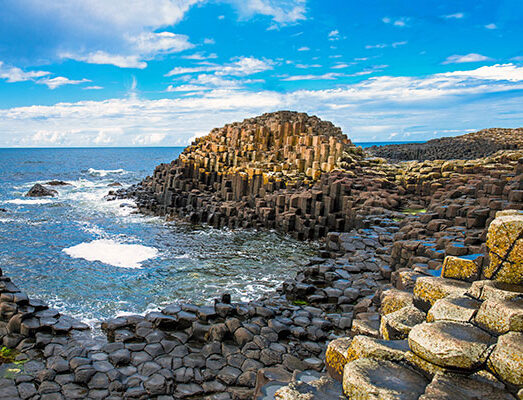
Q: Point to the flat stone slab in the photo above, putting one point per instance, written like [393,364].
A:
[378,380]
[394,300]
[450,344]
[379,349]
[506,361]
[448,386]
[454,308]
[460,268]
[430,289]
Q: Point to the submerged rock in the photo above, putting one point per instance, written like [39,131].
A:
[57,183]
[114,184]
[40,191]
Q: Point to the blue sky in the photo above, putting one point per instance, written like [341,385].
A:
[160,72]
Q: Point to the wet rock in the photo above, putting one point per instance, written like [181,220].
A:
[57,183]
[41,191]
[371,379]
[450,344]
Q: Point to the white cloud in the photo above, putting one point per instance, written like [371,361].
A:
[303,48]
[209,41]
[491,26]
[334,35]
[497,72]
[376,46]
[401,22]
[153,138]
[15,74]
[471,57]
[397,44]
[101,57]
[415,106]
[240,66]
[327,76]
[93,87]
[340,66]
[458,15]
[53,83]
[200,56]
[282,12]
[307,66]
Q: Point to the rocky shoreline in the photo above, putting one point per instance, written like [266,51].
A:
[420,277]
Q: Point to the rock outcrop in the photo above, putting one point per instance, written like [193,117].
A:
[417,292]
[466,147]
[41,191]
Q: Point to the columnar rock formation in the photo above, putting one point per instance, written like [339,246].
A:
[467,147]
[458,335]
[419,279]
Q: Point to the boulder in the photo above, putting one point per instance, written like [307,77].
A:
[376,380]
[505,246]
[450,344]
[40,191]
[506,361]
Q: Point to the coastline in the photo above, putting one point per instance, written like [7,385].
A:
[376,247]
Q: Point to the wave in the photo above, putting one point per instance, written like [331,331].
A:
[113,253]
[105,172]
[29,201]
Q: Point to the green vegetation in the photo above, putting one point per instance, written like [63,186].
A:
[414,211]
[300,303]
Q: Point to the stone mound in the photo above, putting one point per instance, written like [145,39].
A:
[466,147]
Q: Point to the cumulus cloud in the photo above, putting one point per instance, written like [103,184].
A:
[417,106]
[471,57]
[327,76]
[15,74]
[53,83]
[491,26]
[400,22]
[239,66]
[304,48]
[282,12]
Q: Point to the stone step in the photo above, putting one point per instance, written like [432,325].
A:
[506,361]
[370,379]
[501,316]
[451,344]
[397,325]
[454,308]
[430,289]
[448,386]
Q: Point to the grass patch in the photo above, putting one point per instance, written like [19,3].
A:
[300,303]
[7,356]
[414,211]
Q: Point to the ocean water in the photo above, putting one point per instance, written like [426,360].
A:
[96,259]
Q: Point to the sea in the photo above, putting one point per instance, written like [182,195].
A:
[96,259]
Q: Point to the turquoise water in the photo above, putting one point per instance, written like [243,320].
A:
[97,259]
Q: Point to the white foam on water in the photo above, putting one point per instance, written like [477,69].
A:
[28,201]
[113,253]
[105,172]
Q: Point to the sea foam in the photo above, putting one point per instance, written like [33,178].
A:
[113,253]
[29,201]
[105,172]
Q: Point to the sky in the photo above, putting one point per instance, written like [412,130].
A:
[162,72]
